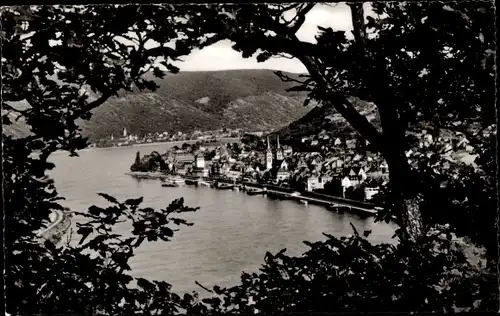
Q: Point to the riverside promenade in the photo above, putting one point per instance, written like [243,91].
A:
[359,207]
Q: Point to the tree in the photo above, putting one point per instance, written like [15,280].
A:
[137,163]
[49,279]
[236,149]
[59,63]
[210,155]
[391,63]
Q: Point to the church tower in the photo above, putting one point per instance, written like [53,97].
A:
[269,156]
[279,150]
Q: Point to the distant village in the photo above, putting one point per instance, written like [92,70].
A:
[343,166]
[129,139]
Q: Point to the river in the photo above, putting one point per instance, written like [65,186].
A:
[231,233]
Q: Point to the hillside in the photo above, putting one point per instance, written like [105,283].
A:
[248,99]
[327,119]
[204,100]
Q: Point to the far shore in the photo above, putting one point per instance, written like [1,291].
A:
[224,140]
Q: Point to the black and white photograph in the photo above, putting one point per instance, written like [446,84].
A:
[249,158]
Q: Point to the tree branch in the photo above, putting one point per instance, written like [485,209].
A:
[300,18]
[94,104]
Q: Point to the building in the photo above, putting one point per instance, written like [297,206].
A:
[199,161]
[370,192]
[315,182]
[269,156]
[234,174]
[283,173]
[279,150]
[215,170]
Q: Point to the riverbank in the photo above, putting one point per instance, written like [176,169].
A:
[170,144]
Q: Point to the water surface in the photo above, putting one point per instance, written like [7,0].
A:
[231,233]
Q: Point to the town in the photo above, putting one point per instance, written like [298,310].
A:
[130,139]
[344,167]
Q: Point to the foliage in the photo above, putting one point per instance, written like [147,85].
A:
[350,274]
[136,166]
[235,148]
[355,193]
[346,274]
[51,86]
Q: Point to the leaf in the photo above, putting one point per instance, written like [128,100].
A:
[299,88]
[108,197]
[282,251]
[134,202]
[262,57]
[308,243]
[145,284]
[85,231]
[95,210]
[268,258]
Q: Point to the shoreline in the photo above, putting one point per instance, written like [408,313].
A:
[219,140]
[367,209]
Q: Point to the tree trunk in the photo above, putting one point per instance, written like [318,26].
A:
[405,193]
[358,22]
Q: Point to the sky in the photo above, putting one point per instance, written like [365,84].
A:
[221,56]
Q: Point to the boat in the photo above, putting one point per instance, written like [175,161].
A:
[191,182]
[177,180]
[275,195]
[336,208]
[254,191]
[170,185]
[331,207]
[225,186]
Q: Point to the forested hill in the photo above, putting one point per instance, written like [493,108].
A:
[248,99]
[329,120]
[205,100]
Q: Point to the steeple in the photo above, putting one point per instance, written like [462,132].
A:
[269,155]
[279,151]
